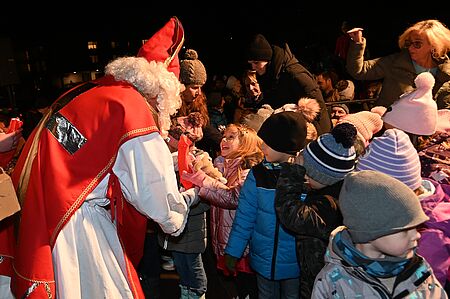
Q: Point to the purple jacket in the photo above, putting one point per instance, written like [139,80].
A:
[434,244]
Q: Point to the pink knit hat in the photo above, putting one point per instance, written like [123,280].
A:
[367,124]
[415,112]
[443,122]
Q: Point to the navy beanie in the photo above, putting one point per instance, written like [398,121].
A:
[329,158]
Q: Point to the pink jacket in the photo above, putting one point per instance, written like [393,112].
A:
[224,201]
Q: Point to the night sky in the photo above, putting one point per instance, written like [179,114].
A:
[220,34]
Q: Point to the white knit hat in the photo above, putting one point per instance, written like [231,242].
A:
[415,112]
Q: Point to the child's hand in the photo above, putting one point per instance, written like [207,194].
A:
[195,178]
[230,263]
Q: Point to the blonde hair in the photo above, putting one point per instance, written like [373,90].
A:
[249,146]
[249,77]
[437,33]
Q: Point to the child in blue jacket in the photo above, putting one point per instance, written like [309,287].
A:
[272,248]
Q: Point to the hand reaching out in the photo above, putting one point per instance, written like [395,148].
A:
[356,34]
[195,178]
[230,263]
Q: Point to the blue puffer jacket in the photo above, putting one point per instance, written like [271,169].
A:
[272,249]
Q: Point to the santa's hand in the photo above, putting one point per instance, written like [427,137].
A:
[191,197]
[195,178]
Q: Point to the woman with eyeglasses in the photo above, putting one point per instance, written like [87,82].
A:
[424,48]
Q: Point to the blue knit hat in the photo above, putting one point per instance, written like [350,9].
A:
[329,158]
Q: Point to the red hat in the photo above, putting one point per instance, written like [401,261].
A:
[164,45]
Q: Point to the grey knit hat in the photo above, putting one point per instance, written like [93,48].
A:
[375,204]
[331,156]
[192,70]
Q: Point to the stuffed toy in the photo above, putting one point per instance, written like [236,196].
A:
[202,161]
[190,125]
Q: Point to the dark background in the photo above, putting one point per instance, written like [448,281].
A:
[219,30]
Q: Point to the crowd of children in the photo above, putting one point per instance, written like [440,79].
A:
[311,202]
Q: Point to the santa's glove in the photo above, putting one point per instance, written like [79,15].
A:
[230,262]
[191,197]
[197,178]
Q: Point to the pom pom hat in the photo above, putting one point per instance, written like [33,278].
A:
[192,70]
[415,112]
[329,158]
[165,45]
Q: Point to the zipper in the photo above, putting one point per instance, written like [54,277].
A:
[375,284]
[166,242]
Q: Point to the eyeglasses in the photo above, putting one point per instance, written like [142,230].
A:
[416,44]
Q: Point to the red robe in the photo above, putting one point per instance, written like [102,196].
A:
[107,116]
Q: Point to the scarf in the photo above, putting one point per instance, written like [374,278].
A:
[381,268]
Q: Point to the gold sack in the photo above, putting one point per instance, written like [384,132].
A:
[9,204]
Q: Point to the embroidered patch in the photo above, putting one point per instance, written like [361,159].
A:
[66,133]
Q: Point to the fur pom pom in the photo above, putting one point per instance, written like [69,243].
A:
[191,54]
[380,110]
[424,80]
[309,108]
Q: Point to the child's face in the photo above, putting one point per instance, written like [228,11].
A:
[401,244]
[230,142]
[274,156]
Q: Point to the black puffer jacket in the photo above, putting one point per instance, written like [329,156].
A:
[286,81]
[311,219]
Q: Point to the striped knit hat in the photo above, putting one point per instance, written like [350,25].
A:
[329,158]
[393,154]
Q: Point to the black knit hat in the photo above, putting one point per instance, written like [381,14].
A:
[284,132]
[259,49]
